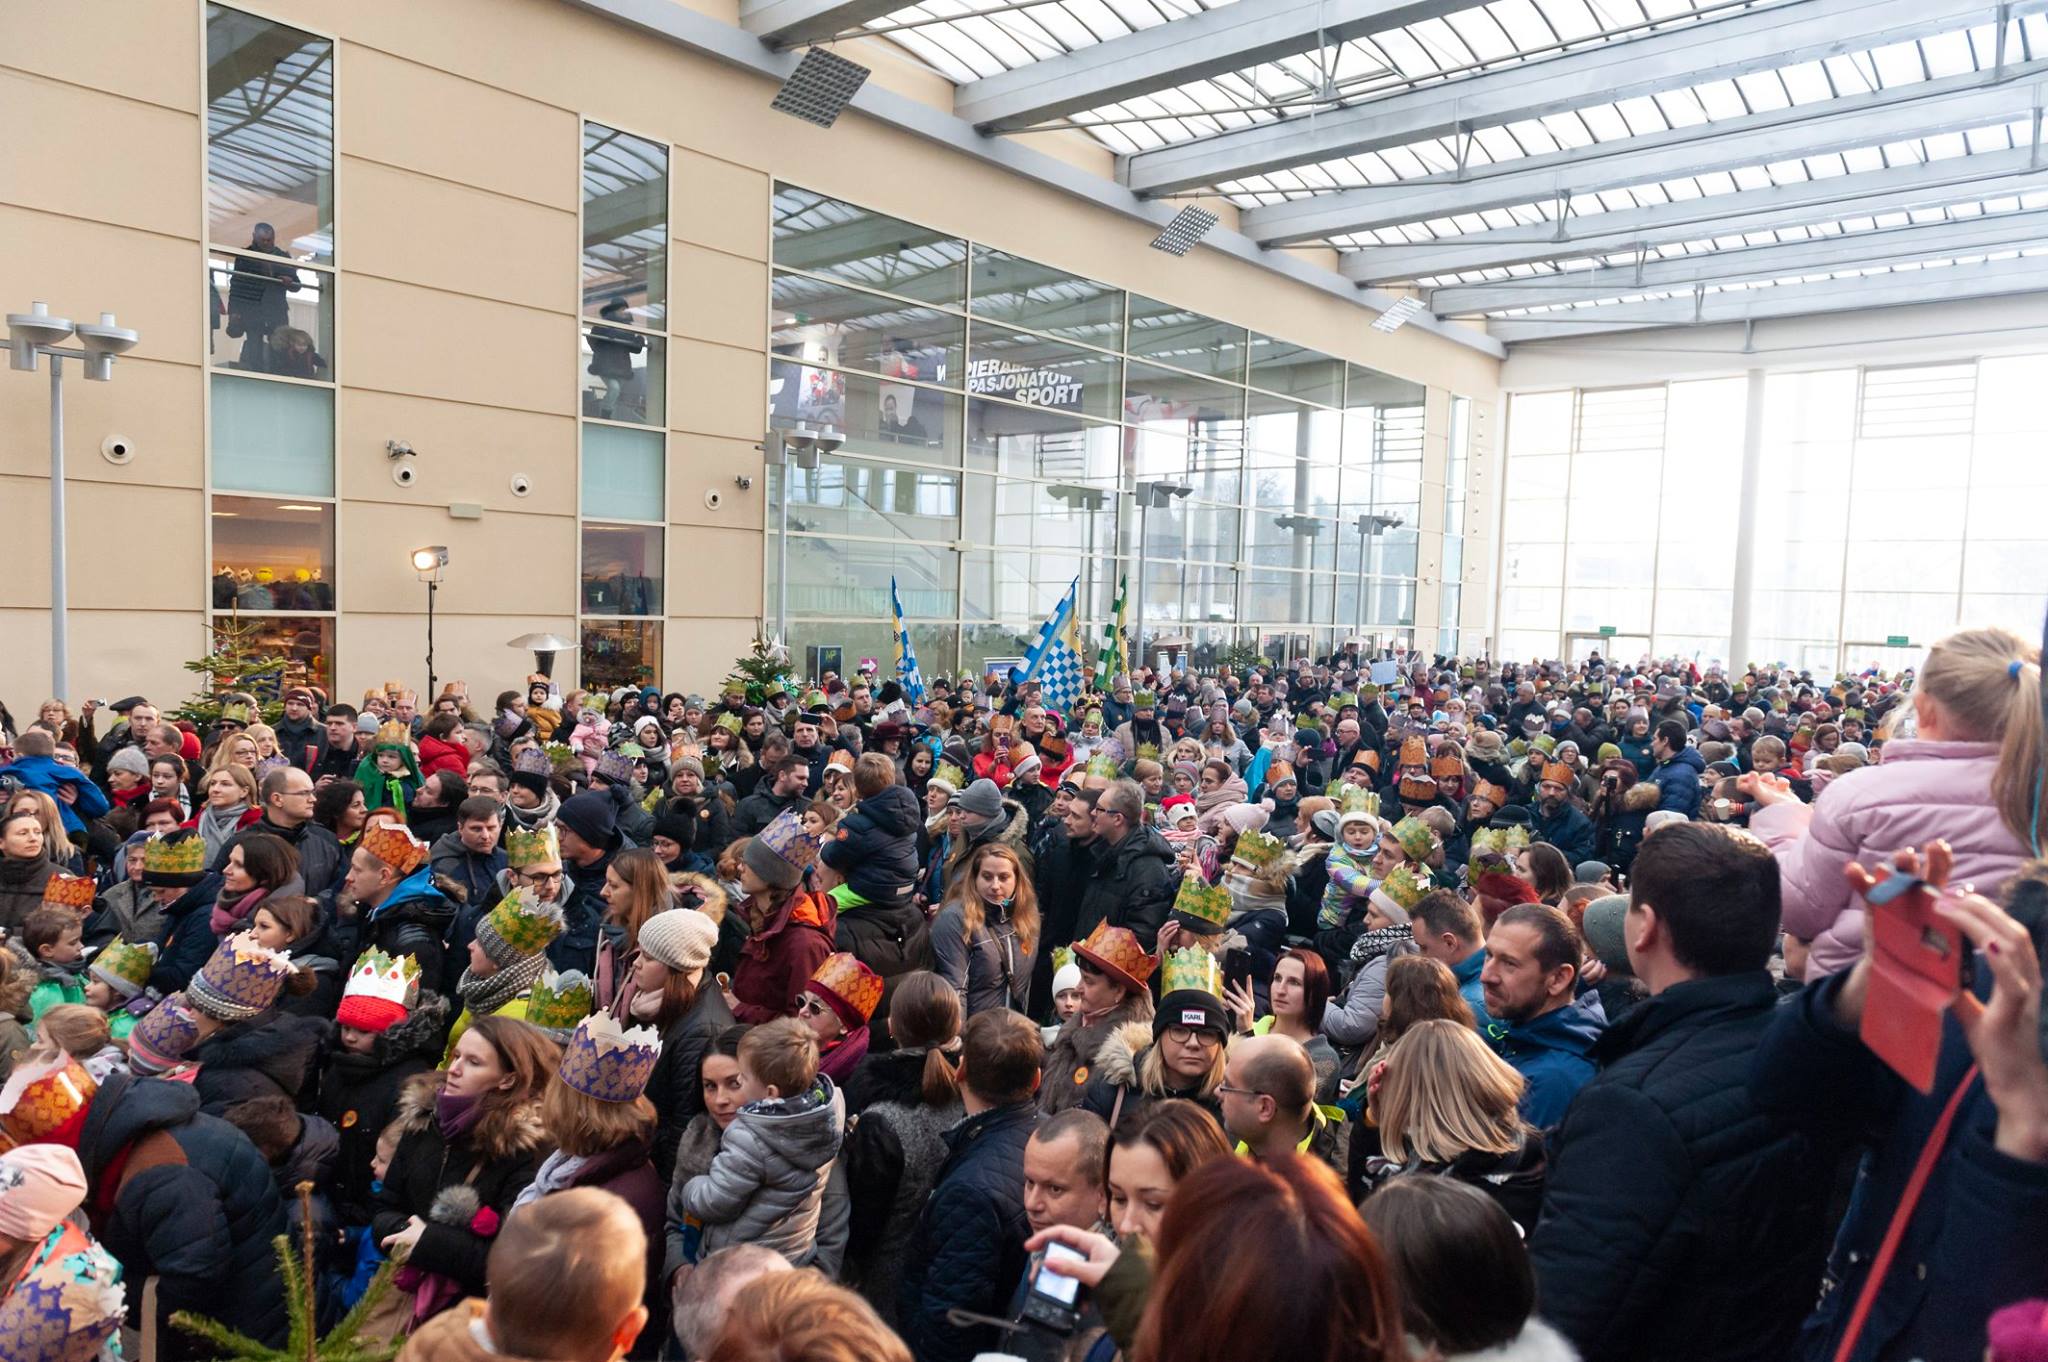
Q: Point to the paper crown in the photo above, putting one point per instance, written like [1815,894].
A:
[559,1001]
[524,850]
[949,776]
[393,735]
[1418,789]
[609,1063]
[1256,850]
[1191,968]
[164,1036]
[1062,956]
[1416,837]
[46,1099]
[1414,751]
[1148,751]
[173,860]
[1404,887]
[1279,773]
[72,891]
[1498,843]
[240,981]
[1205,906]
[1143,699]
[125,966]
[66,1307]
[1544,743]
[381,991]
[1447,765]
[730,722]
[235,712]
[1356,804]
[1366,757]
[1558,773]
[1491,793]
[1344,699]
[532,761]
[786,838]
[265,765]
[394,844]
[851,989]
[614,768]
[519,926]
[1116,952]
[1103,766]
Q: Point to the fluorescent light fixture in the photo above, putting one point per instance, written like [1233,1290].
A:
[820,88]
[1189,225]
[1399,315]
[295,506]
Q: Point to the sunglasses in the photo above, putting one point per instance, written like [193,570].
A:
[810,1007]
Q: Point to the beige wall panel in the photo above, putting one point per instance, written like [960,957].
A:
[531,151]
[81,269]
[716,572]
[147,49]
[701,463]
[717,389]
[466,453]
[718,297]
[405,339]
[421,230]
[716,203]
[130,547]
[113,653]
[698,653]
[373,648]
[56,155]
[498,563]
[154,405]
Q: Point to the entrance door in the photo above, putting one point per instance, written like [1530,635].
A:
[1613,647]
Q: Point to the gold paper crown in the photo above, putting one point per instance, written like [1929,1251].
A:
[72,891]
[1491,793]
[1203,901]
[524,849]
[1558,773]
[1062,956]
[1143,699]
[1447,765]
[1416,837]
[1355,802]
[45,1100]
[393,734]
[174,856]
[950,776]
[1256,850]
[730,722]
[394,844]
[1148,751]
[1414,751]
[1191,967]
[610,1063]
[851,982]
[519,926]
[559,1001]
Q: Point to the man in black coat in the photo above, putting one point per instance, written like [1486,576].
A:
[968,1249]
[1062,865]
[1135,876]
[299,731]
[1681,1221]
[287,801]
[781,787]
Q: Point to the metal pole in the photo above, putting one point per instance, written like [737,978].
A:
[782,556]
[1138,629]
[60,622]
[431,587]
[1358,621]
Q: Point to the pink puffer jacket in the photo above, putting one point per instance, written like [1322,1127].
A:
[1920,791]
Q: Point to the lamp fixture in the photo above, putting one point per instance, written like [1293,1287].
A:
[429,561]
[1189,226]
[820,87]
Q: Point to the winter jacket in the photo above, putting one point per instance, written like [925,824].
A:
[475,875]
[359,1096]
[47,775]
[322,863]
[494,1161]
[437,754]
[767,1184]
[1677,784]
[1973,1244]
[758,810]
[1012,827]
[1353,1021]
[583,908]
[777,962]
[1514,1179]
[1471,989]
[188,940]
[890,939]
[1681,1219]
[875,846]
[450,1337]
[1114,1089]
[21,890]
[968,1249]
[412,920]
[1550,1053]
[128,912]
[1569,830]
[1070,1058]
[1921,791]
[190,1202]
[317,954]
[1132,886]
[267,1056]
[675,1088]
[628,1174]
[993,969]
[892,1156]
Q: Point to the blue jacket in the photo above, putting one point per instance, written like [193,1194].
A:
[1549,1052]
[875,846]
[1678,782]
[1974,1242]
[1570,832]
[968,1249]
[49,776]
[1466,972]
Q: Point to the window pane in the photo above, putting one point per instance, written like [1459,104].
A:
[1004,584]
[1281,431]
[848,579]
[1025,518]
[625,373]
[269,135]
[621,653]
[1036,372]
[1033,443]
[1186,340]
[272,555]
[1299,488]
[625,227]
[830,237]
[272,437]
[893,420]
[621,570]
[1368,389]
[861,497]
[822,323]
[622,474]
[1284,367]
[267,316]
[1009,288]
[1189,408]
[305,643]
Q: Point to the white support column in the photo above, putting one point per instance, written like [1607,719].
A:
[1745,522]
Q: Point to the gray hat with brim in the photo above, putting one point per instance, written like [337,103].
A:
[1602,925]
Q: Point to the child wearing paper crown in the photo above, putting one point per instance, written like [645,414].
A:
[388,1029]
[390,774]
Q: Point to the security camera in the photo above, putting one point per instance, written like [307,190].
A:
[743,482]
[117,449]
[713,499]
[404,474]
[521,484]
[398,449]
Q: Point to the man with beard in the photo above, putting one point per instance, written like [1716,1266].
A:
[1144,729]
[1528,981]
[298,732]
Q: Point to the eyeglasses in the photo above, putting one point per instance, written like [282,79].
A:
[1181,1035]
[542,876]
[810,1007]
[1241,1092]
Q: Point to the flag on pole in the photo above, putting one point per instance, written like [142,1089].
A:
[1052,661]
[906,656]
[1110,660]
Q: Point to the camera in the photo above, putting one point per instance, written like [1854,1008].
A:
[713,499]
[1051,1300]
[404,474]
[521,484]
[117,449]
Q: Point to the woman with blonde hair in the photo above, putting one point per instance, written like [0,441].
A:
[265,738]
[1975,751]
[237,749]
[58,848]
[1447,1105]
[986,933]
[636,887]
[229,790]
[801,1317]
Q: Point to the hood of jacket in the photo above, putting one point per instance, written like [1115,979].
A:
[127,1108]
[893,1076]
[1537,1342]
[1571,1029]
[894,810]
[504,1133]
[1116,1063]
[420,896]
[805,1130]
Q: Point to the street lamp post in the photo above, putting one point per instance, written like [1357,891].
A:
[1149,494]
[428,562]
[34,333]
[1368,525]
[800,448]
[1088,500]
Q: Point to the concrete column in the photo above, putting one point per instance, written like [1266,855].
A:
[1745,522]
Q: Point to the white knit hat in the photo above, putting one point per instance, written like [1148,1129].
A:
[1065,977]
[681,938]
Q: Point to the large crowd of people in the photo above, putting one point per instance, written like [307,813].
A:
[1403,1007]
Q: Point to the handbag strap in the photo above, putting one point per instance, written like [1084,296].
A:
[1881,1265]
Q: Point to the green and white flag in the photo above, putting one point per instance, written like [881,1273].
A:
[1112,658]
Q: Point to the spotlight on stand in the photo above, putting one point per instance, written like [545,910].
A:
[427,564]
[1189,226]
[820,88]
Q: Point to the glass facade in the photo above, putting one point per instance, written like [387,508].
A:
[1620,510]
[998,415]
[269,313]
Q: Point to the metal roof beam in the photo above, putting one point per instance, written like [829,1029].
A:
[1948,283]
[1928,185]
[1849,250]
[1951,104]
[1717,49]
[1212,43]
[791,23]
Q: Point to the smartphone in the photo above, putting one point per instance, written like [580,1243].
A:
[1237,968]
[1917,964]
[1053,1300]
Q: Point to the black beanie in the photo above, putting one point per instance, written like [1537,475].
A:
[1191,1007]
[677,821]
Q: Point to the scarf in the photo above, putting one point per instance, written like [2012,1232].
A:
[645,1006]
[529,819]
[456,1116]
[1209,807]
[1377,942]
[217,825]
[229,913]
[485,995]
[557,1173]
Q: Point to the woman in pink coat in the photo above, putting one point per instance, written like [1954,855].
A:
[1967,777]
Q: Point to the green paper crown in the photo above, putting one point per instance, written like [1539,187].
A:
[559,1001]
[1191,967]
[730,722]
[1343,698]
[1544,743]
[1257,850]
[1203,901]
[559,754]
[162,856]
[1415,837]
[1104,765]
[1404,887]
[1062,956]
[1356,799]
[523,923]
[1143,699]
[1148,751]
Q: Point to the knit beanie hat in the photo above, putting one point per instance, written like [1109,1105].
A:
[131,760]
[676,825]
[982,798]
[593,816]
[40,1184]
[680,938]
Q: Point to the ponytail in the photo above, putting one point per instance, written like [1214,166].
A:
[1988,684]
[940,1085]
[925,1009]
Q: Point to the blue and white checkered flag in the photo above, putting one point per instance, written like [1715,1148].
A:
[1052,662]
[906,656]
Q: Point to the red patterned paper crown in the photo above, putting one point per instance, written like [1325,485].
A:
[394,844]
[75,892]
[46,1100]
[1116,952]
[609,1063]
[853,989]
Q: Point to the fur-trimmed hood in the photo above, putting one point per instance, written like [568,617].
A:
[505,1133]
[1116,1063]
[1537,1342]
